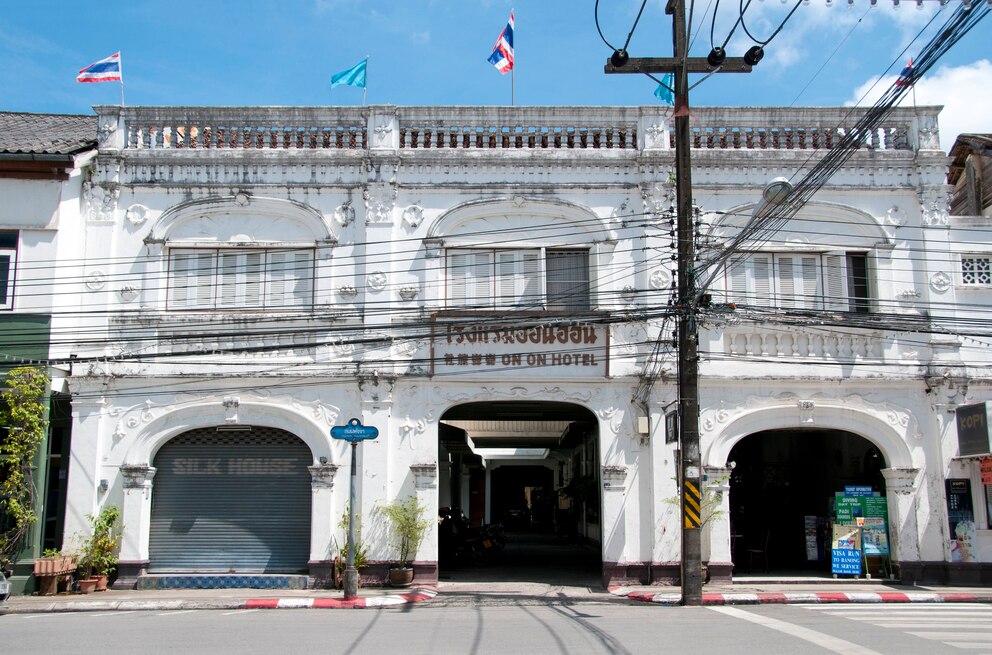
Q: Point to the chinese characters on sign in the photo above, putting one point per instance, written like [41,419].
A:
[574,349]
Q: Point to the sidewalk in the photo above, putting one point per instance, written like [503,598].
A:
[744,591]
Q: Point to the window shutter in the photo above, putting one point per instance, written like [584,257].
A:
[737,268]
[835,282]
[507,269]
[810,276]
[469,278]
[227,285]
[278,273]
[203,279]
[253,280]
[302,278]
[531,294]
[786,281]
[180,279]
[761,275]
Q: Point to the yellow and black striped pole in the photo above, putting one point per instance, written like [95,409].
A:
[691,505]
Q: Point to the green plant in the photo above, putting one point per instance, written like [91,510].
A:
[99,553]
[408,526]
[51,552]
[23,426]
[361,555]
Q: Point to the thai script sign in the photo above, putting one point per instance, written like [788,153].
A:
[574,349]
[354,431]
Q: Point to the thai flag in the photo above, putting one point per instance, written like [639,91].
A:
[502,57]
[906,77]
[105,70]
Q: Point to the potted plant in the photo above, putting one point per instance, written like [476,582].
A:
[98,556]
[408,527]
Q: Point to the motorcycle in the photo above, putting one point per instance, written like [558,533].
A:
[460,542]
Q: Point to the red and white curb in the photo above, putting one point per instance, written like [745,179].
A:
[415,596]
[760,598]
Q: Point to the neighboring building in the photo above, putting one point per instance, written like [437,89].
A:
[490,287]
[970,175]
[42,157]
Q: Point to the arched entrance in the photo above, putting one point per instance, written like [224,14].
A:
[534,468]
[782,494]
[231,500]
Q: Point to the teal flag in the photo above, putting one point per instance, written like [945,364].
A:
[354,76]
[664,90]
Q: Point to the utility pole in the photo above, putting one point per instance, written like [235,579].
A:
[688,336]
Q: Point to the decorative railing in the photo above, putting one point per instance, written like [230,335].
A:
[805,343]
[388,127]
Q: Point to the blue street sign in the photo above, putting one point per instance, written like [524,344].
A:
[354,431]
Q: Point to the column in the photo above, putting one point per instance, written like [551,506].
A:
[322,525]
[904,546]
[136,517]
[715,519]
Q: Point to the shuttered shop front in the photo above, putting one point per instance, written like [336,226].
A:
[231,501]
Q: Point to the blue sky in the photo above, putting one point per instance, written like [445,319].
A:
[433,52]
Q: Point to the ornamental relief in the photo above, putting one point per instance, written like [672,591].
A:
[100,201]
[490,393]
[883,411]
[379,201]
[344,215]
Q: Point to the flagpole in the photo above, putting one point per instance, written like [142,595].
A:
[365,87]
[512,102]
[120,68]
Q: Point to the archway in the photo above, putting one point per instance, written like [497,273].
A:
[532,467]
[782,492]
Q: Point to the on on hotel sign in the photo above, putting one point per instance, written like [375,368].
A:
[574,348]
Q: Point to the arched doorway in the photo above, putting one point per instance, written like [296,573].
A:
[231,501]
[783,485]
[532,466]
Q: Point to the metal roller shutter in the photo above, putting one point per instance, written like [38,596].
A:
[231,502]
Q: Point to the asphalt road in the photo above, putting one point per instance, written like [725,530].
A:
[516,630]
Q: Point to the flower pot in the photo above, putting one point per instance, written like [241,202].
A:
[87,586]
[401,576]
[45,566]
[101,582]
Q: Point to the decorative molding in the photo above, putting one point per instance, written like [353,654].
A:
[242,199]
[806,408]
[940,282]
[895,216]
[413,215]
[900,481]
[96,280]
[129,292]
[408,292]
[322,476]
[344,214]
[376,281]
[379,201]
[433,247]
[137,476]
[136,214]
[660,279]
[934,203]
[231,404]
[347,291]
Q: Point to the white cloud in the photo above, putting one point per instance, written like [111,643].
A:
[964,91]
[421,38]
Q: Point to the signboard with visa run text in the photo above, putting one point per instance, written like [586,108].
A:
[354,431]
[845,561]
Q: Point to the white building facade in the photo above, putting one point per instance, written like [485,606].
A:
[491,288]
